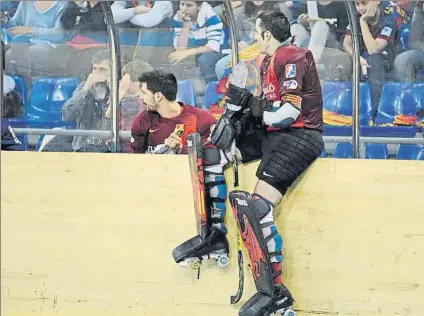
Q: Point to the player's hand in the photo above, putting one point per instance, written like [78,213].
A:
[238,96]
[174,142]
[178,56]
[21,30]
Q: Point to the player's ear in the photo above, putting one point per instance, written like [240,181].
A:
[158,96]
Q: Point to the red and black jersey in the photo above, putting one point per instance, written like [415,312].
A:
[290,75]
[149,129]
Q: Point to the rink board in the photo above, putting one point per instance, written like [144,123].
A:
[92,234]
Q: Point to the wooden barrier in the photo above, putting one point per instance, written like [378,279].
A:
[92,234]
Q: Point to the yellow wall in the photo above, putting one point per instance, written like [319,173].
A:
[88,234]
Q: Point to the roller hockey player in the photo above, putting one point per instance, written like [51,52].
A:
[283,128]
[164,129]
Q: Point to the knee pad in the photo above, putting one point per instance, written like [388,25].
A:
[214,159]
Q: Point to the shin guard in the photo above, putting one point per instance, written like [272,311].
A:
[248,222]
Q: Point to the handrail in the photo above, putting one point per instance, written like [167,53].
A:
[115,72]
[355,77]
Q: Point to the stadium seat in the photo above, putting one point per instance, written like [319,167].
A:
[337,97]
[343,150]
[186,92]
[211,97]
[410,152]
[397,98]
[376,151]
[48,97]
[21,88]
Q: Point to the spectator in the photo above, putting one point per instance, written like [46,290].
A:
[40,23]
[379,37]
[143,13]
[245,23]
[12,105]
[129,93]
[83,16]
[198,32]
[323,35]
[409,64]
[87,106]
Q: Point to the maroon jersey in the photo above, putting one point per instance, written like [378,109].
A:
[291,75]
[149,129]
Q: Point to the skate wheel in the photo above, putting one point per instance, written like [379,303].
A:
[289,312]
[195,265]
[223,261]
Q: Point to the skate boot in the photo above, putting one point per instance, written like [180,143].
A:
[195,250]
[261,304]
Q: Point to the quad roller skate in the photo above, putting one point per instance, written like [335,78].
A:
[261,304]
[195,250]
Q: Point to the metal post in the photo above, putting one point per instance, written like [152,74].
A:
[355,79]
[115,72]
[228,11]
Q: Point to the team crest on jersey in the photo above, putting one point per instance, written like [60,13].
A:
[386,31]
[290,70]
[290,84]
[179,129]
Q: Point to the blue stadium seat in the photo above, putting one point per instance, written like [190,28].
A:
[186,92]
[337,97]
[376,151]
[21,88]
[211,97]
[396,98]
[410,152]
[48,97]
[343,150]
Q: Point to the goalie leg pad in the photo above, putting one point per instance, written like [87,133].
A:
[248,219]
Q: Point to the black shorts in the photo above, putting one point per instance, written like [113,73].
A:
[284,155]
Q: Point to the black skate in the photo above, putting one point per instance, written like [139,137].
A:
[195,250]
[261,304]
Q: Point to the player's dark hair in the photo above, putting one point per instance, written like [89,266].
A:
[161,81]
[276,23]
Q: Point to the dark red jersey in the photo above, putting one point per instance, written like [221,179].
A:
[291,75]
[149,129]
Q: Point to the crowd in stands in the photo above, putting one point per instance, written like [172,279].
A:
[56,39]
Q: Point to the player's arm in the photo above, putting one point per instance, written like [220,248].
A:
[139,133]
[282,112]
[205,121]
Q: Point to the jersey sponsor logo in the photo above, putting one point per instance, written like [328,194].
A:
[290,70]
[386,31]
[269,91]
[153,130]
[291,84]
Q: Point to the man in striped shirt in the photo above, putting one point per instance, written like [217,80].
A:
[198,32]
